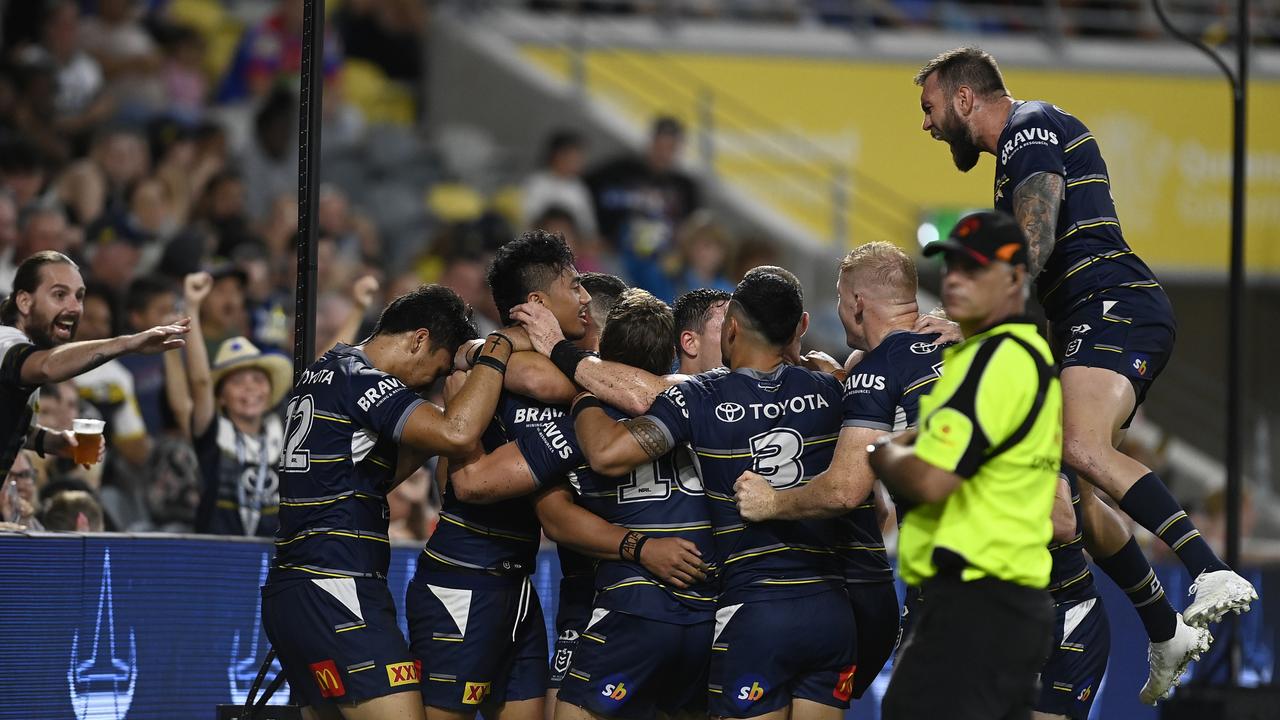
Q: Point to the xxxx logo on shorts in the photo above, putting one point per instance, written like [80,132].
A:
[474,693]
[327,677]
[405,673]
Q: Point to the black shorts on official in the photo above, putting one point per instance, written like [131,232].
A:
[481,639]
[766,653]
[627,666]
[1081,644]
[1129,331]
[875,613]
[572,613]
[338,640]
[974,652]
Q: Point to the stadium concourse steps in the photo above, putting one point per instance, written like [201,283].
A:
[115,626]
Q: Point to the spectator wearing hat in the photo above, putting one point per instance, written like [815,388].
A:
[237,438]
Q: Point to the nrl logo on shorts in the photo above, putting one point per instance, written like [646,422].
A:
[563,657]
[1073,347]
[730,412]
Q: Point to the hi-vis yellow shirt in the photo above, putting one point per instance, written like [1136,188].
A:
[995,419]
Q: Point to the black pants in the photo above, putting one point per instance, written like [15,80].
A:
[974,652]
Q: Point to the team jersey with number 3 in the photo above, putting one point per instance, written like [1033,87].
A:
[782,425]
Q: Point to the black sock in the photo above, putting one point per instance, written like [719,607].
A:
[1131,571]
[1150,503]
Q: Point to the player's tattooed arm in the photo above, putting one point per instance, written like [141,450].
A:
[1035,206]
[615,447]
[650,437]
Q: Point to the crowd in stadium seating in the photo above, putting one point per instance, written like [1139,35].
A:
[1071,18]
[151,141]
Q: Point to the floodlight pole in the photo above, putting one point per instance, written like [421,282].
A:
[1239,80]
[310,103]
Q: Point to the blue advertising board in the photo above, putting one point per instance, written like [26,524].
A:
[108,627]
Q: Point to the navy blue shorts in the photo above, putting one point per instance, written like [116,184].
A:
[1081,644]
[1129,331]
[627,666]
[766,653]
[577,593]
[875,614]
[481,639]
[338,640]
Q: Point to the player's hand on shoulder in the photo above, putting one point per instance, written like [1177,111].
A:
[675,561]
[821,362]
[947,331]
[541,324]
[756,498]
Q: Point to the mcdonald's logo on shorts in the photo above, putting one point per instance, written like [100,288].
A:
[474,693]
[405,673]
[844,685]
[327,677]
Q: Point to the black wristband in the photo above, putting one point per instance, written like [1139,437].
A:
[39,443]
[639,544]
[586,401]
[492,362]
[629,548]
[566,356]
[510,344]
[474,355]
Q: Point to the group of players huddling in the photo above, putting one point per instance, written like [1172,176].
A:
[719,529]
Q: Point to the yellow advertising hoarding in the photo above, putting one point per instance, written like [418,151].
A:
[782,124]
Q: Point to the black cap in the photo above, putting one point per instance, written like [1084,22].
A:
[984,236]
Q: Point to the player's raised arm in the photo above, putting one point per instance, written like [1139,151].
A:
[629,389]
[453,431]
[616,447]
[528,373]
[835,491]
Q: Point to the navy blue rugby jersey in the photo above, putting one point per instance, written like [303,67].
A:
[501,537]
[341,444]
[663,498]
[784,426]
[1090,254]
[883,393]
[1069,577]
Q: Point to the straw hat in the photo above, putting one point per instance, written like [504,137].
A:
[238,353]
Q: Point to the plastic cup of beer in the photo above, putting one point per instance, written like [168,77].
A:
[88,440]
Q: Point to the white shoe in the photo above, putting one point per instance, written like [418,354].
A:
[1217,593]
[1169,659]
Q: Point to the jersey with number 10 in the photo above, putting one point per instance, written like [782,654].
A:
[782,425]
[341,445]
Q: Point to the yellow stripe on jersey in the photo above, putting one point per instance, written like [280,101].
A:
[819,551]
[1086,182]
[920,384]
[331,418]
[339,533]
[1078,143]
[484,531]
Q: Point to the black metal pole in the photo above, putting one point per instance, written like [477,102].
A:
[1235,291]
[1235,310]
[310,102]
